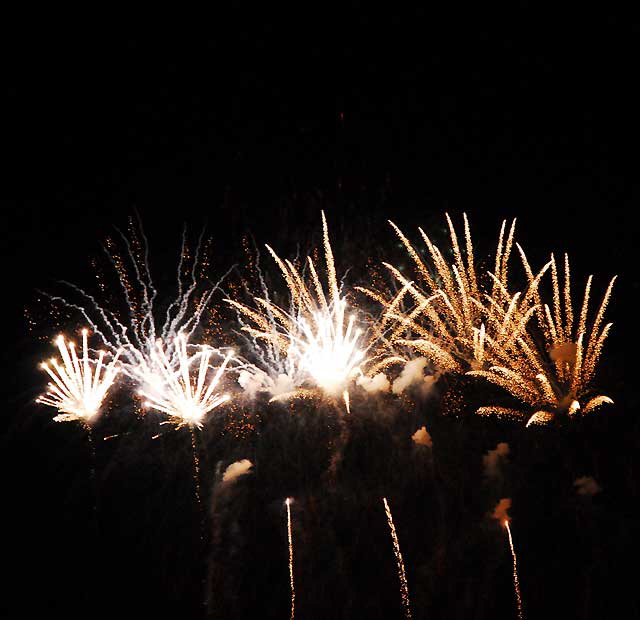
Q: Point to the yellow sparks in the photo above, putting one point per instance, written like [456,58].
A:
[78,390]
[293,590]
[404,588]
[170,388]
[516,583]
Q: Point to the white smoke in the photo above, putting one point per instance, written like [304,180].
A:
[237,469]
[494,458]
[379,383]
[256,380]
[413,374]
[586,485]
[422,438]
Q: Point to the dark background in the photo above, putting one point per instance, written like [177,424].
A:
[252,126]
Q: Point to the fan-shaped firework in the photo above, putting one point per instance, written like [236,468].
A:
[153,346]
[315,344]
[559,378]
[450,317]
[80,385]
[185,397]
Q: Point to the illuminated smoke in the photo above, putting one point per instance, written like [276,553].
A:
[586,485]
[404,588]
[79,385]
[494,459]
[371,385]
[500,511]
[237,469]
[422,438]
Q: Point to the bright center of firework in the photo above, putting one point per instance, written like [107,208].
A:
[173,390]
[327,349]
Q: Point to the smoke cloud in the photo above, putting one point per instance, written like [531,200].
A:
[422,438]
[237,469]
[493,459]
[413,374]
[586,485]
[379,383]
[564,352]
[501,509]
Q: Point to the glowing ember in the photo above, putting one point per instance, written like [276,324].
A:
[78,391]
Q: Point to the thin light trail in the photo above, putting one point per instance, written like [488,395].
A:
[293,590]
[516,583]
[196,480]
[404,588]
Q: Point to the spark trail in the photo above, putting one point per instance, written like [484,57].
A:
[516,583]
[293,590]
[404,588]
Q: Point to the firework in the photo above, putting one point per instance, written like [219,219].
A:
[404,588]
[153,346]
[516,583]
[556,380]
[449,315]
[289,534]
[80,385]
[315,344]
[184,396]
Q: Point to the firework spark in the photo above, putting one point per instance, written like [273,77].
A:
[289,534]
[555,380]
[404,588]
[152,346]
[185,398]
[448,315]
[516,583]
[315,344]
[78,391]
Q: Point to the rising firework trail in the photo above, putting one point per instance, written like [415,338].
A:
[516,583]
[78,390]
[290,536]
[404,588]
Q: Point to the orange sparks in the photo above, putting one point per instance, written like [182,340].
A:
[404,588]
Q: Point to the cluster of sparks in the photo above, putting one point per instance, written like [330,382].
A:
[317,336]
[465,324]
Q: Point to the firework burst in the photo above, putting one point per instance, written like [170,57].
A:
[556,380]
[80,385]
[314,345]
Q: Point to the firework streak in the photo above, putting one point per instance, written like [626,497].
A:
[404,588]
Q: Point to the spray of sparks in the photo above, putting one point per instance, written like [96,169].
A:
[184,396]
[154,348]
[516,583]
[404,588]
[80,385]
[290,536]
[465,324]
[314,344]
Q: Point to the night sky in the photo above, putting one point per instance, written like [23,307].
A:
[247,127]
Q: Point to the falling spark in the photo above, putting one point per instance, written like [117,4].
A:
[404,588]
[293,590]
[174,392]
[316,344]
[78,391]
[516,583]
